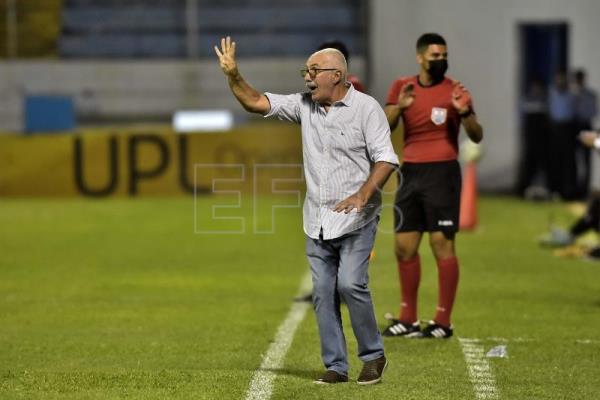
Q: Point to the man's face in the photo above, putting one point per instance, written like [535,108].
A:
[321,83]
[433,52]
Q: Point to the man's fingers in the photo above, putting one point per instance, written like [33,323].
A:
[232,49]
[349,207]
[339,207]
[344,206]
[223,47]
[456,85]
[407,88]
[219,54]
[459,88]
[458,94]
[228,42]
[406,92]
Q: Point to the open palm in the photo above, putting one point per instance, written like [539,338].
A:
[461,98]
[406,96]
[227,56]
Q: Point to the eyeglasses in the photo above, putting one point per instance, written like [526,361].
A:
[313,72]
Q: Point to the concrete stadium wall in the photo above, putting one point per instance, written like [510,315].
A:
[483,50]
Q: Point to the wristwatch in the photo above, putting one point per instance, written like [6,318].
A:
[466,113]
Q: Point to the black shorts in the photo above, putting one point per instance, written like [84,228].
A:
[428,197]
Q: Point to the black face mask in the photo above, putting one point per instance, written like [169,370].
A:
[437,69]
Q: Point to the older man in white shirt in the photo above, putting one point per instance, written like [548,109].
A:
[348,156]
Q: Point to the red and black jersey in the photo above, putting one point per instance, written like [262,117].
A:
[431,123]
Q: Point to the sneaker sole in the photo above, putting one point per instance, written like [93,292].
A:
[432,337]
[374,381]
[320,382]
[328,383]
[410,334]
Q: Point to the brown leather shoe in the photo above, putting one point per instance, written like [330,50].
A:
[372,371]
[330,377]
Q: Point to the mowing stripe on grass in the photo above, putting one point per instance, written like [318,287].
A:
[261,386]
[480,372]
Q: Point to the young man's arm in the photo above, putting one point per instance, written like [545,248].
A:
[249,98]
[473,128]
[393,113]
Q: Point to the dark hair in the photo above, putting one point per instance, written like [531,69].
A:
[335,44]
[428,39]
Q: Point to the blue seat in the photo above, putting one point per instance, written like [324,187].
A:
[49,114]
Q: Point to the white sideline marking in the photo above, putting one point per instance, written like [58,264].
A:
[261,386]
[525,340]
[480,372]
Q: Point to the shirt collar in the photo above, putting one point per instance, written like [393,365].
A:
[349,97]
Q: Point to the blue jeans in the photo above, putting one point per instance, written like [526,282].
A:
[340,269]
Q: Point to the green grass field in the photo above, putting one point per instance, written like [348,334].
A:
[121,299]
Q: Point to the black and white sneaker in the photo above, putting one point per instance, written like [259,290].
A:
[399,328]
[435,331]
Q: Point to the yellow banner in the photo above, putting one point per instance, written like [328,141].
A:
[263,157]
[148,161]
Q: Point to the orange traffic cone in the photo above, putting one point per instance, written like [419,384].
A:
[468,198]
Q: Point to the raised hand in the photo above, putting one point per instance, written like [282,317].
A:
[227,56]
[461,98]
[406,96]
